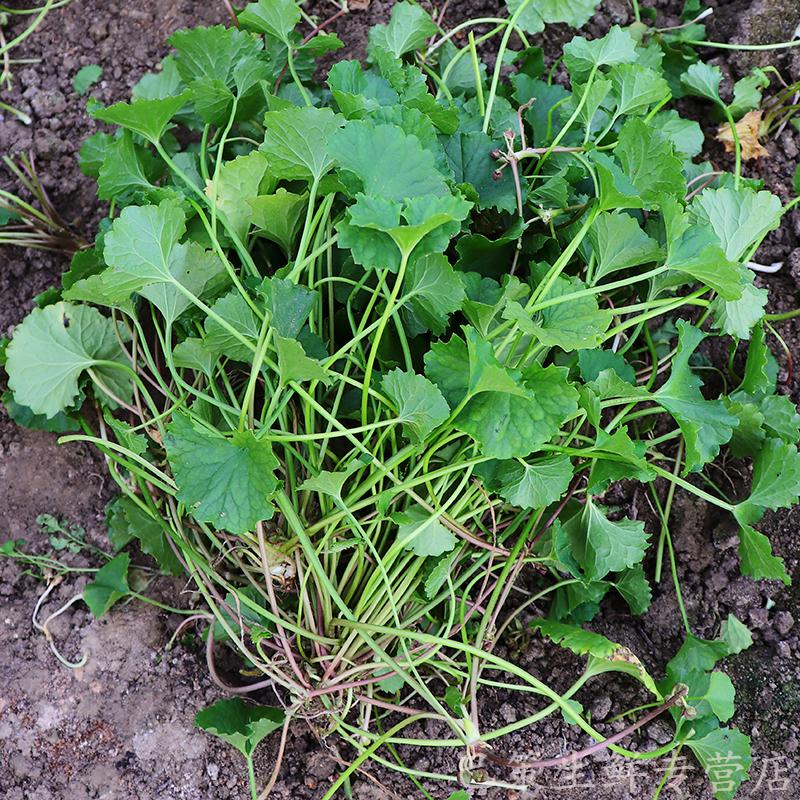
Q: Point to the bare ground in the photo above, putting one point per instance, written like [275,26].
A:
[122,727]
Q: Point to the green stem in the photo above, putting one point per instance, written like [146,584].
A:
[783,316]
[476,71]
[302,89]
[512,23]
[251,777]
[737,145]
[709,498]
[384,321]
[743,47]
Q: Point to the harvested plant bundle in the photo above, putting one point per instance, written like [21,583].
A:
[365,359]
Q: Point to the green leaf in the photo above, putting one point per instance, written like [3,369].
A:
[579,602]
[238,185]
[423,533]
[696,252]
[619,243]
[227,482]
[776,479]
[139,249]
[470,158]
[213,100]
[509,425]
[735,635]
[604,655]
[278,217]
[533,485]
[110,584]
[233,308]
[294,142]
[628,460]
[86,77]
[23,416]
[697,656]
[781,417]
[433,291]
[212,53]
[636,88]
[126,521]
[148,118]
[589,111]
[747,92]
[330,483]
[602,545]
[53,347]
[364,231]
[93,152]
[739,217]
[125,435]
[240,724]
[573,325]
[759,375]
[703,80]
[192,353]
[725,755]
[122,172]
[748,436]
[295,365]
[391,684]
[364,150]
[593,362]
[649,162]
[536,14]
[164,83]
[686,135]
[507,413]
[581,55]
[634,587]
[720,696]
[356,92]
[409,28]
[757,559]
[705,424]
[615,189]
[738,317]
[276,18]
[437,577]
[420,405]
[289,305]
[144,256]
[193,269]
[378,231]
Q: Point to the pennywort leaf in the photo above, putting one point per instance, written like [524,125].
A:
[54,347]
[109,585]
[226,481]
[240,724]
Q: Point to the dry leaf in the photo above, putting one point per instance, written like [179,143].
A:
[747,129]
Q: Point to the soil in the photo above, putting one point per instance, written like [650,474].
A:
[122,727]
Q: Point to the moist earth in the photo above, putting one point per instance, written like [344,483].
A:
[121,727]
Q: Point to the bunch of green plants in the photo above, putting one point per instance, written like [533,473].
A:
[367,357]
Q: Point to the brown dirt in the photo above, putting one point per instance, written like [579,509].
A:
[121,728]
